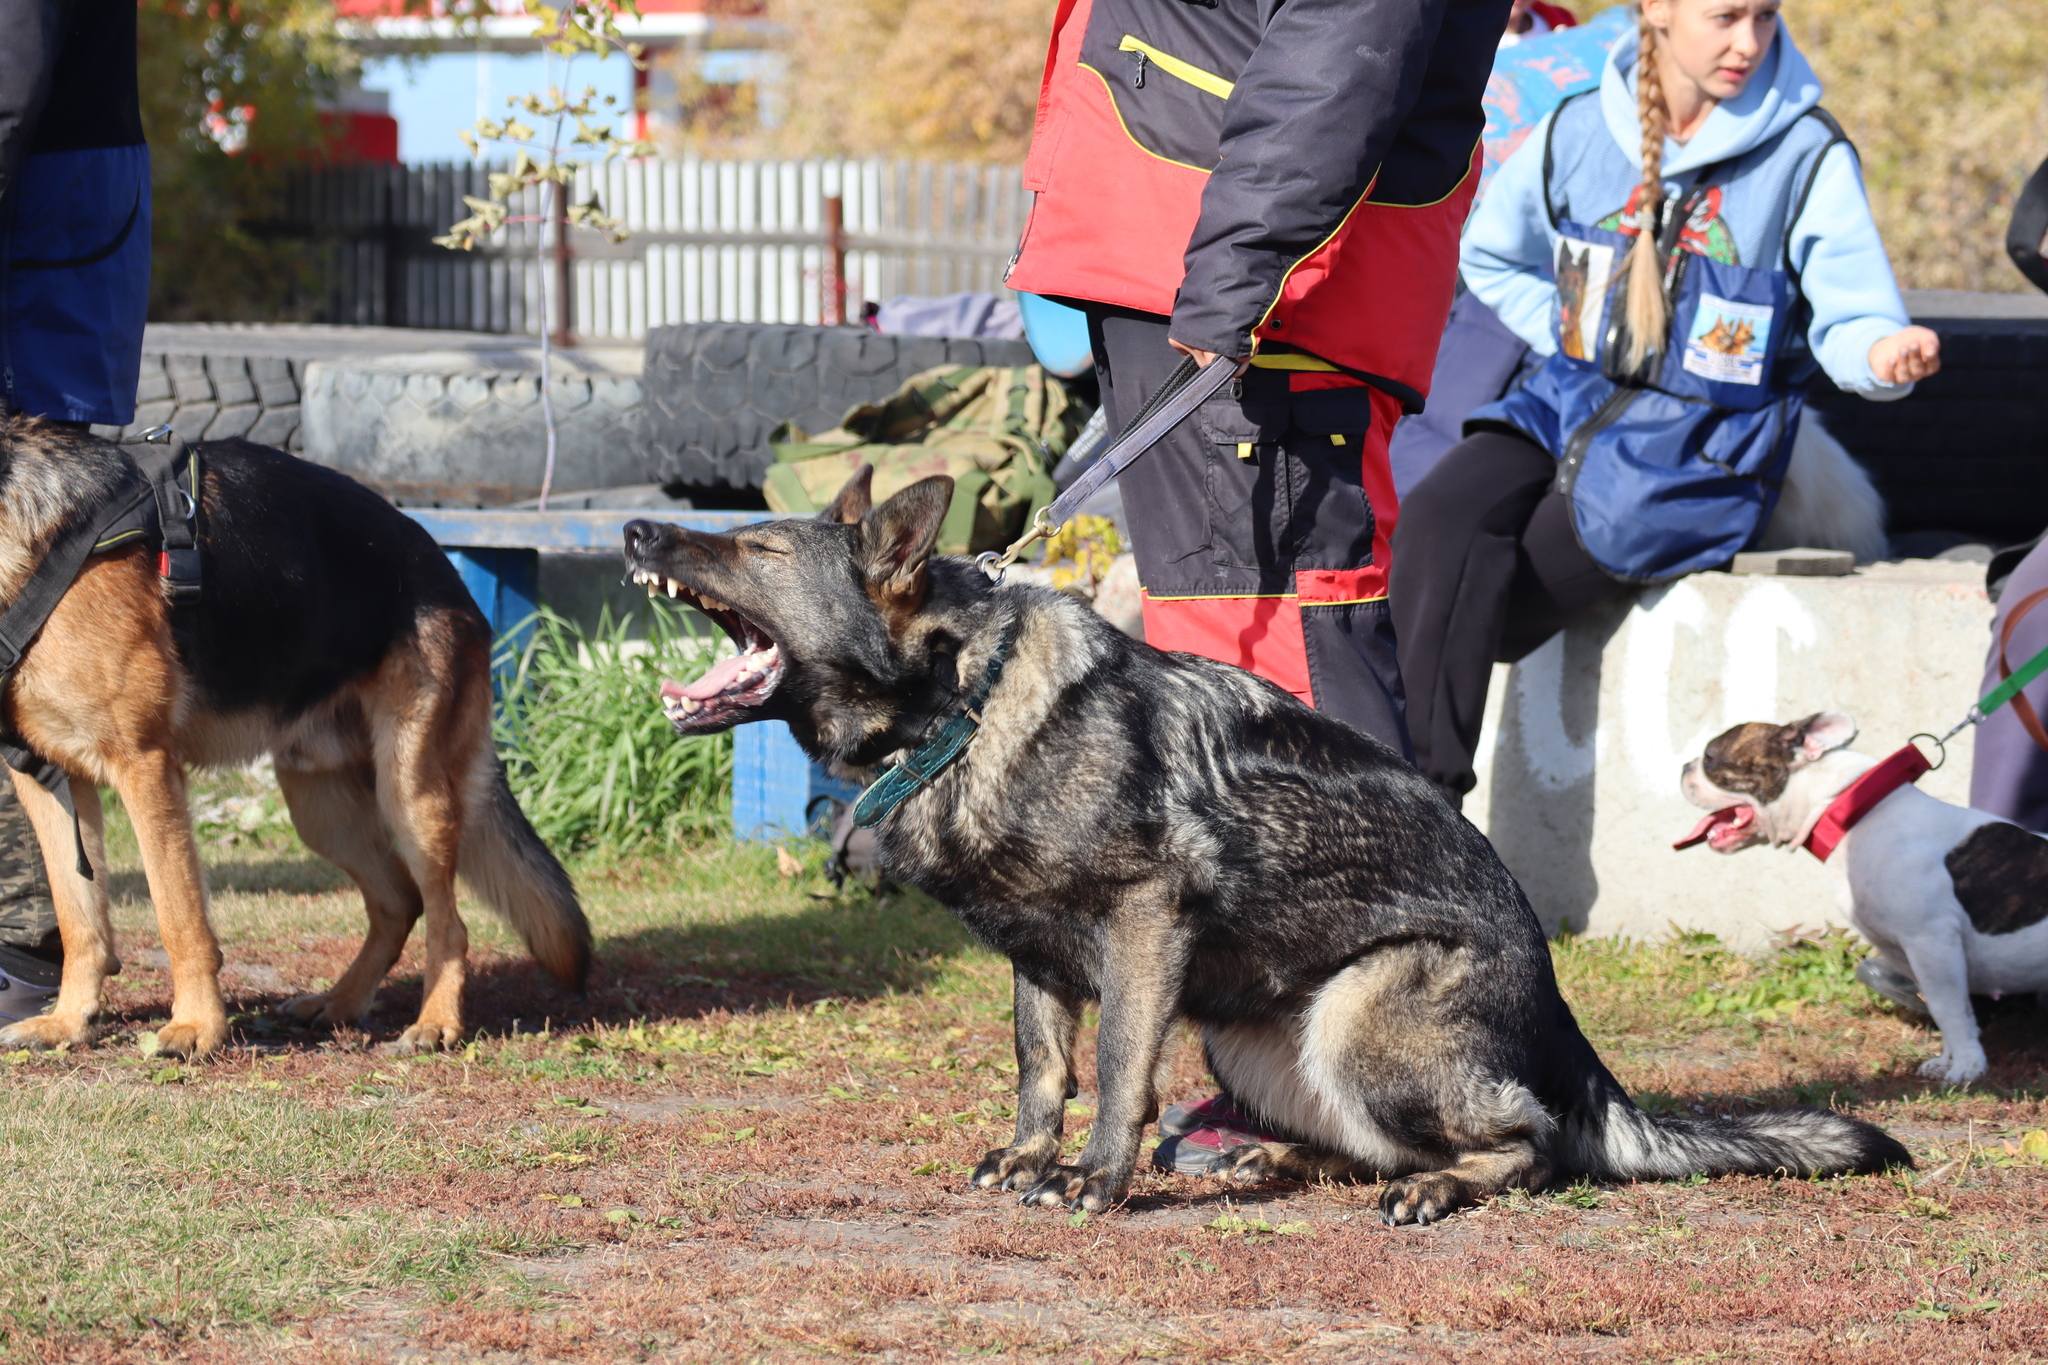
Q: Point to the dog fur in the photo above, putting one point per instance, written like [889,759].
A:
[333,636]
[1956,898]
[1829,502]
[1178,839]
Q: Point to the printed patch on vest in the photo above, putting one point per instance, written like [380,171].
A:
[1583,272]
[1729,340]
[2000,873]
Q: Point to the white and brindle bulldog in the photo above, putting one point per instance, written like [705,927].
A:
[1956,897]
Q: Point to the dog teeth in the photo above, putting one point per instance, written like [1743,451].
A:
[712,604]
[674,587]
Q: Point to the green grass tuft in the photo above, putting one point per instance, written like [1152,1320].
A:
[590,755]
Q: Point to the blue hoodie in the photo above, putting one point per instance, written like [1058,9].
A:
[1844,274]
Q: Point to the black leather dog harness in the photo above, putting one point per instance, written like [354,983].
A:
[157,504]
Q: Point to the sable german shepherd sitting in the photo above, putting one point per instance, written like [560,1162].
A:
[331,634]
[1176,838]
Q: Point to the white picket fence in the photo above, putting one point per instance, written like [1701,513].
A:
[731,241]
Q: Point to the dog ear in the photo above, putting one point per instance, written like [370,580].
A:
[1822,733]
[897,537]
[854,500]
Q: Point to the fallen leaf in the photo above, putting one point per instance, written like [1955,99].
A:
[787,863]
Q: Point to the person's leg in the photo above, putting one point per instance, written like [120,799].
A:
[31,951]
[1350,516]
[2009,775]
[1267,555]
[1457,553]
[1558,582]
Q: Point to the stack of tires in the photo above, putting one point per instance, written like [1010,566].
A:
[715,390]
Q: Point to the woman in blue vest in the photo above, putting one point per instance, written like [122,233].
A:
[1685,244]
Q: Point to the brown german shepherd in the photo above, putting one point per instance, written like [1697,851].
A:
[333,635]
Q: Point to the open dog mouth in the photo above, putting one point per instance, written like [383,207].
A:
[730,686]
[1722,829]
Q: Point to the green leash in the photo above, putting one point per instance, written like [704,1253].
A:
[900,782]
[1992,700]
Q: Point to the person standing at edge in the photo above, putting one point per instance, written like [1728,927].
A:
[1279,181]
[1277,184]
[74,289]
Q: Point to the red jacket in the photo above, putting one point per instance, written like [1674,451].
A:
[1276,174]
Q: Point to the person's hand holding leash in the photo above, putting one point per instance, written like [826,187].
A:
[1906,356]
[1203,358]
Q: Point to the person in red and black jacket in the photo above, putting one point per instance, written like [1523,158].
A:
[1280,182]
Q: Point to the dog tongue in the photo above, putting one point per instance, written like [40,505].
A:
[716,679]
[1706,826]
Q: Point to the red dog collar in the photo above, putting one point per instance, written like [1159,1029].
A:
[1862,796]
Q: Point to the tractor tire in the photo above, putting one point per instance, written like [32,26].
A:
[211,397]
[715,390]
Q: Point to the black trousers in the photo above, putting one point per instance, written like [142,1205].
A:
[1259,527]
[1486,568]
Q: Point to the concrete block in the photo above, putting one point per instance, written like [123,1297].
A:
[1584,739]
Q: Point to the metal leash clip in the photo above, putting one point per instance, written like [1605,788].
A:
[995,565]
[1187,388]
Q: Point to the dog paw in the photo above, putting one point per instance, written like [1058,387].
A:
[426,1037]
[185,1038]
[1955,1068]
[44,1032]
[1014,1168]
[1250,1164]
[1423,1198]
[321,1009]
[1070,1187]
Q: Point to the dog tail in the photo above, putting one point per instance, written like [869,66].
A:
[505,863]
[1606,1137]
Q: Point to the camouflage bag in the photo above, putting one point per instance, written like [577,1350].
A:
[997,430]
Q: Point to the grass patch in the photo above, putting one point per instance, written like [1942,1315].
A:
[749,1141]
[159,1209]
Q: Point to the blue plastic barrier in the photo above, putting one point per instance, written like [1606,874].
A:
[498,555]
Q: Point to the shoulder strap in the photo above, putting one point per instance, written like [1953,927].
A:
[1549,151]
[1836,138]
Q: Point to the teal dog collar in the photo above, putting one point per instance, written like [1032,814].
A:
[899,782]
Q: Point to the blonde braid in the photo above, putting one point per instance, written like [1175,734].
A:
[1645,308]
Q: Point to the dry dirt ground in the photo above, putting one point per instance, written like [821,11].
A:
[748,1142]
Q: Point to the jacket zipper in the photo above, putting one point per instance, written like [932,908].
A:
[1605,416]
[1206,81]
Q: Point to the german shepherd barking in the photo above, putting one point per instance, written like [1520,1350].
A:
[1176,838]
[331,634]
